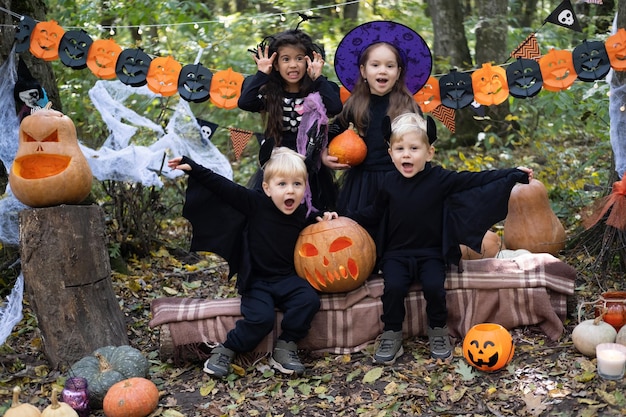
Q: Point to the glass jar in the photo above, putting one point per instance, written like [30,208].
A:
[613,305]
[76,395]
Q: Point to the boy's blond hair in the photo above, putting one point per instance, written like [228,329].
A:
[284,162]
[408,122]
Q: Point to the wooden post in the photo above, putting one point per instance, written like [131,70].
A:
[67,277]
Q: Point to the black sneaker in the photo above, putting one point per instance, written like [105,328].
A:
[440,347]
[389,347]
[285,358]
[219,363]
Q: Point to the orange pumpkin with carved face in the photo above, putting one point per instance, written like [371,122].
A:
[488,347]
[49,167]
[335,256]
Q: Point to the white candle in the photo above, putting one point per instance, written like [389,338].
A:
[611,363]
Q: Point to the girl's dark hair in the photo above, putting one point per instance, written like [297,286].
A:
[273,89]
[356,108]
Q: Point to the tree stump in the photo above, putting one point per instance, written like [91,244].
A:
[67,277]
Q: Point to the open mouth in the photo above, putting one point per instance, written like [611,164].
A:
[289,203]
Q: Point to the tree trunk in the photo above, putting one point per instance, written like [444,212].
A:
[67,278]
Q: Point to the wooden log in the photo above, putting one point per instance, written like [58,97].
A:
[67,277]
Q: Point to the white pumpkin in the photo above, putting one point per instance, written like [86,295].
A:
[590,333]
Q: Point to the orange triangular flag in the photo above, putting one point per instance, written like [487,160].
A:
[239,138]
[528,49]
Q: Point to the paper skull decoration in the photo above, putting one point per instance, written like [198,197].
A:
[163,75]
[456,89]
[335,256]
[524,78]
[74,48]
[45,39]
[591,61]
[49,167]
[489,85]
[23,32]
[226,88]
[132,67]
[429,96]
[488,347]
[194,83]
[102,58]
[616,49]
[557,70]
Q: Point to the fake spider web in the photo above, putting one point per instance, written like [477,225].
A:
[118,159]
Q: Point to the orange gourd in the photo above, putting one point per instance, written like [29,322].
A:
[49,167]
[488,347]
[530,223]
[348,147]
[133,397]
[491,245]
[335,256]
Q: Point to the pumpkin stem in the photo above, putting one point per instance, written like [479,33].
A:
[104,364]
[600,317]
[16,396]
[53,399]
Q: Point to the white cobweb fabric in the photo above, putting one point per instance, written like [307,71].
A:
[118,159]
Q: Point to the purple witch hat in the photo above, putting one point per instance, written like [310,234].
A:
[416,54]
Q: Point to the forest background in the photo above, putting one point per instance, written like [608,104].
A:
[563,136]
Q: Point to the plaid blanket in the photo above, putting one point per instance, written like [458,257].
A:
[529,289]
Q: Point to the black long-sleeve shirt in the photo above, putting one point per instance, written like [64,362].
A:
[271,234]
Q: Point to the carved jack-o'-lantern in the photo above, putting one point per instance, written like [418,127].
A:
[226,88]
[524,78]
[557,70]
[45,39]
[132,67]
[616,49]
[456,89]
[194,83]
[22,34]
[591,60]
[102,58]
[335,256]
[49,167]
[488,347]
[489,85]
[74,48]
[428,97]
[163,75]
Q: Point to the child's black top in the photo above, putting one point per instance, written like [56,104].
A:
[270,236]
[252,100]
[414,208]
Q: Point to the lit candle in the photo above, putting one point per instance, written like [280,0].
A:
[611,363]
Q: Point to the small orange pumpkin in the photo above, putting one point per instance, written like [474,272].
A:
[491,245]
[335,256]
[348,147]
[490,85]
[49,167]
[488,347]
[226,88]
[133,397]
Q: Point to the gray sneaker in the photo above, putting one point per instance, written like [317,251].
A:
[219,363]
[440,347]
[285,358]
[389,347]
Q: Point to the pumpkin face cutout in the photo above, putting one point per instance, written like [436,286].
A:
[49,167]
[489,85]
[429,96]
[456,90]
[102,58]
[335,256]
[488,347]
[74,48]
[616,49]
[194,83]
[226,88]
[45,39]
[524,78]
[132,67]
[163,76]
[22,34]
[557,70]
[591,61]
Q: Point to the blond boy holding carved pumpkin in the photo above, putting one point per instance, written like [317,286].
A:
[427,212]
